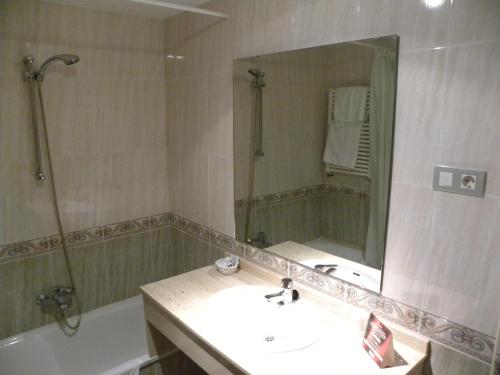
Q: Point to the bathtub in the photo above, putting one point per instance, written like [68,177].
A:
[111,341]
[334,248]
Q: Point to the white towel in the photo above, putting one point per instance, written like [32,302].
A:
[342,145]
[350,105]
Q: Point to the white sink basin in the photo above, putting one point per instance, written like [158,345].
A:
[242,315]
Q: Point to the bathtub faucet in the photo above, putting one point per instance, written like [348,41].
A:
[61,297]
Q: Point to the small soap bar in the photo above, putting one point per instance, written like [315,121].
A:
[378,342]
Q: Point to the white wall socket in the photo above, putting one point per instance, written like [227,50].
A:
[459,181]
[468,182]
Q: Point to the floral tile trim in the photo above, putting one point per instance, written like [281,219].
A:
[387,308]
[267,260]
[24,249]
[455,336]
[76,238]
[301,193]
[227,243]
[179,222]
[161,220]
[317,280]
[458,337]
[126,227]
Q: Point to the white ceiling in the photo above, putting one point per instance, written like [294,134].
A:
[129,7]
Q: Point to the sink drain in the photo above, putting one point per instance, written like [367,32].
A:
[269,338]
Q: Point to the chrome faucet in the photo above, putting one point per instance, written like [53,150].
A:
[287,293]
[287,288]
[326,268]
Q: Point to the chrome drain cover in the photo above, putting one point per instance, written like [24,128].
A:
[269,338]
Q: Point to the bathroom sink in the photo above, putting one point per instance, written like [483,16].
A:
[242,314]
[353,275]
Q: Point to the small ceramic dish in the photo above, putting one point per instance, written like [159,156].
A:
[228,265]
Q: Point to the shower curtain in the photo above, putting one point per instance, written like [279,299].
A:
[382,96]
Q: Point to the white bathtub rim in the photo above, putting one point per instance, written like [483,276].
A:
[4,343]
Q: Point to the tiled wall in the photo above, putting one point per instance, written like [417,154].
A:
[106,122]
[114,160]
[307,213]
[447,112]
[108,266]
[105,116]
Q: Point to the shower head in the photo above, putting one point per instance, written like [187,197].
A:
[68,59]
[256,73]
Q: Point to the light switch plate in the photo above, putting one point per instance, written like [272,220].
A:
[459,181]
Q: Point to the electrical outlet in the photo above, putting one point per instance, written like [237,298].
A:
[459,181]
[468,182]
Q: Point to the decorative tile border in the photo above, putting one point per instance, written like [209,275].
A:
[301,193]
[460,338]
[316,280]
[387,308]
[77,238]
[161,220]
[126,228]
[24,249]
[227,243]
[267,260]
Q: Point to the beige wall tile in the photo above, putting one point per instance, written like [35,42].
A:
[314,26]
[188,132]
[16,130]
[474,21]
[462,262]
[445,361]
[22,281]
[77,184]
[100,113]
[130,256]
[130,185]
[27,203]
[189,193]
[470,135]
[92,279]
[220,115]
[195,195]
[221,195]
[419,115]
[418,25]
[407,250]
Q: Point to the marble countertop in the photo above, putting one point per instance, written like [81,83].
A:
[183,299]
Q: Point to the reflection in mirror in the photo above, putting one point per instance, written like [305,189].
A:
[313,131]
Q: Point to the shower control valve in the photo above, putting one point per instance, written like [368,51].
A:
[63,296]
[44,301]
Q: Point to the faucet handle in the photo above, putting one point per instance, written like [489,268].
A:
[287,283]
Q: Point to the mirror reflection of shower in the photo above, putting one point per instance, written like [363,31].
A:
[258,83]
[61,297]
[256,148]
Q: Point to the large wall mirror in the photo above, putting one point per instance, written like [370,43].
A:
[313,136]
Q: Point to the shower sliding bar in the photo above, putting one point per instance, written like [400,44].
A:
[30,76]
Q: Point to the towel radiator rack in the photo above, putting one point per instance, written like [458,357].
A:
[362,167]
